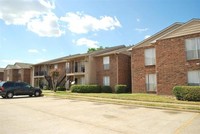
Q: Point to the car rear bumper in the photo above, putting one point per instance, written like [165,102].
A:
[2,93]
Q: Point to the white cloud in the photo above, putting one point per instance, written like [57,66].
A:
[46,26]
[22,11]
[44,50]
[141,29]
[147,36]
[80,23]
[33,51]
[37,15]
[86,42]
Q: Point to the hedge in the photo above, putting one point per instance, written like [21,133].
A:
[106,89]
[61,88]
[189,93]
[120,89]
[85,88]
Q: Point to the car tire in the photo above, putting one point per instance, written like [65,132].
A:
[9,95]
[37,93]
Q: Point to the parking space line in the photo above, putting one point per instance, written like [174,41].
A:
[186,124]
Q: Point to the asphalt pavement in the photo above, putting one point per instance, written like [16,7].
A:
[48,115]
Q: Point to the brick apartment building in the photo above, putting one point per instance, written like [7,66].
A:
[82,69]
[1,74]
[114,68]
[18,72]
[166,59]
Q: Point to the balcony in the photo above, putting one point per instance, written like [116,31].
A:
[40,73]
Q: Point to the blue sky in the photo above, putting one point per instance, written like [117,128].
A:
[33,31]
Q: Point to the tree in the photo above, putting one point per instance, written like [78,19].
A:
[54,76]
[94,49]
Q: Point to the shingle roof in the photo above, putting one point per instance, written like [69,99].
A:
[123,50]
[64,59]
[22,65]
[18,65]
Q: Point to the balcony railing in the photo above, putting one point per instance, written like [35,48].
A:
[40,73]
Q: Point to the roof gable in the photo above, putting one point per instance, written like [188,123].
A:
[22,65]
[148,41]
[190,27]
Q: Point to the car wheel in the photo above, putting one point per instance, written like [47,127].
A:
[10,95]
[37,93]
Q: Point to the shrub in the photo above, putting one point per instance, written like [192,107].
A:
[106,89]
[120,89]
[61,88]
[190,93]
[86,88]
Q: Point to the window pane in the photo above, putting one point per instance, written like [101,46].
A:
[192,48]
[106,60]
[106,81]
[151,82]
[150,56]
[194,77]
[106,63]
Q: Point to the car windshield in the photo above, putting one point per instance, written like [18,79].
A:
[1,83]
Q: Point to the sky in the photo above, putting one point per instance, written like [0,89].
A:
[33,31]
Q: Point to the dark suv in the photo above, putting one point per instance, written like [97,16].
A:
[8,89]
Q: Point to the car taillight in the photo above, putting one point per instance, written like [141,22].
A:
[2,88]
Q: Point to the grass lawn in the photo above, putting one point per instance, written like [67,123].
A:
[136,98]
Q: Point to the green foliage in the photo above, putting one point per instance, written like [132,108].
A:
[94,49]
[61,88]
[120,89]
[190,93]
[106,89]
[86,88]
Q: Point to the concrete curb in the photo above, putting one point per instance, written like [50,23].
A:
[155,105]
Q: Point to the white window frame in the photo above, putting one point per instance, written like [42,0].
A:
[194,78]
[192,47]
[151,82]
[106,80]
[150,56]
[106,63]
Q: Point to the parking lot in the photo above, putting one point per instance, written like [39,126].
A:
[46,115]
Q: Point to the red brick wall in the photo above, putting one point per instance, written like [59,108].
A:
[1,76]
[112,72]
[15,75]
[124,70]
[172,65]
[26,76]
[139,70]
[119,71]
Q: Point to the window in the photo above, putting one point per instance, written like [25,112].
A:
[194,78]
[68,67]
[56,66]
[151,83]
[150,56]
[106,62]
[106,81]
[192,48]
